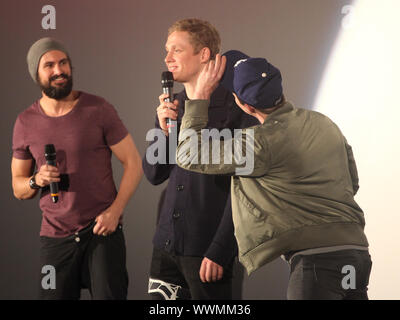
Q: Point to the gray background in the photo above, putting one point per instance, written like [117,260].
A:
[117,50]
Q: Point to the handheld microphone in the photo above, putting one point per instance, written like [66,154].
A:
[50,155]
[167,83]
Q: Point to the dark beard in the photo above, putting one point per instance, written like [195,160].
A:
[57,93]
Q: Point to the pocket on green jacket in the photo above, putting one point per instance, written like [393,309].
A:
[252,209]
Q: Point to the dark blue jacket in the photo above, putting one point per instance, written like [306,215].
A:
[195,216]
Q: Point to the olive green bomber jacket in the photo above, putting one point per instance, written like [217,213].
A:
[293,181]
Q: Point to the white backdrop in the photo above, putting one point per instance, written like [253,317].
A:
[359,92]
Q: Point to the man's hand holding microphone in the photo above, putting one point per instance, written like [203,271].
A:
[46,175]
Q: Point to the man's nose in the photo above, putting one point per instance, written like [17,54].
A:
[169,57]
[57,69]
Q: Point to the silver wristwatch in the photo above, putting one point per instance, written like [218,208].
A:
[32,182]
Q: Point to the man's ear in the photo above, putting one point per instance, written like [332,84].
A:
[205,54]
[249,109]
[245,107]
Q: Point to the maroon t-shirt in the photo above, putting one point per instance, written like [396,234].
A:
[81,138]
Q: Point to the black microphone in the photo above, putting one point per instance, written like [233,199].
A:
[167,83]
[50,155]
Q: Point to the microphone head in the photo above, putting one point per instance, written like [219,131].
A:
[50,152]
[167,79]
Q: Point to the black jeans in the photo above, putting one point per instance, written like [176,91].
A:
[177,277]
[339,275]
[84,260]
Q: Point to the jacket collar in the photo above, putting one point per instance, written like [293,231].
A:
[218,97]
[286,108]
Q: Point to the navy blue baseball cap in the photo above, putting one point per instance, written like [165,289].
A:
[254,80]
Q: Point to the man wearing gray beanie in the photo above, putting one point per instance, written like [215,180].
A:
[38,49]
[81,232]
[35,53]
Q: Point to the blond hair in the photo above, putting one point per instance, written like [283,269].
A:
[202,34]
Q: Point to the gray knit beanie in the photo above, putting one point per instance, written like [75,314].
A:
[37,50]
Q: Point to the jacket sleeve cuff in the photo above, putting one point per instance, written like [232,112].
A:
[221,255]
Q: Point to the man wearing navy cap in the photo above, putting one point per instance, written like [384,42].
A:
[298,199]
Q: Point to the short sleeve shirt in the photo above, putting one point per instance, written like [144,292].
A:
[82,139]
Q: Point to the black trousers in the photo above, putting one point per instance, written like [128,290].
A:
[84,260]
[177,277]
[339,275]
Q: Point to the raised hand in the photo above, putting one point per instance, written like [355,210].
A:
[209,78]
